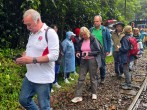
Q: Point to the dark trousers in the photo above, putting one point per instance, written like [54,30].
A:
[57,70]
[127,74]
[117,65]
[66,75]
[103,69]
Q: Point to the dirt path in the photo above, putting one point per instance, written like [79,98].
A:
[110,95]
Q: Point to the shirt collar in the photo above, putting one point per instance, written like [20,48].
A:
[99,28]
[43,27]
[41,30]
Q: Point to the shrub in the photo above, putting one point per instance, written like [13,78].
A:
[11,76]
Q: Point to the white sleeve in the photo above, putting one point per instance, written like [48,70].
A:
[53,45]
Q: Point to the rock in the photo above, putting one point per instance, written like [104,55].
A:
[144,104]
[119,101]
[106,106]
[113,107]
[107,99]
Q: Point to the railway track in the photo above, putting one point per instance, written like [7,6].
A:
[136,103]
[136,99]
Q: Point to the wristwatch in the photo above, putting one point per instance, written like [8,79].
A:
[34,60]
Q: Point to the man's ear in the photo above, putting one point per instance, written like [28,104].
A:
[38,20]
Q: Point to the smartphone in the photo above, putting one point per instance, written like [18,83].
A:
[84,54]
[17,56]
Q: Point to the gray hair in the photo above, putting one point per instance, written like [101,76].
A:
[34,14]
[99,17]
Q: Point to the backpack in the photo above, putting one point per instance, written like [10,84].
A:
[100,45]
[101,48]
[46,50]
[61,54]
[46,34]
[133,47]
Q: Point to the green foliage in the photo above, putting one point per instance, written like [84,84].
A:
[34,4]
[11,76]
[67,14]
[141,13]
[132,6]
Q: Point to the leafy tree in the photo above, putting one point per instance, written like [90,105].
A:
[11,27]
[132,6]
[67,14]
[141,14]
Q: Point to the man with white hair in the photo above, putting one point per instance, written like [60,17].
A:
[39,57]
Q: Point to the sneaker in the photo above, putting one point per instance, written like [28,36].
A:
[102,81]
[119,77]
[94,96]
[71,78]
[57,85]
[52,90]
[66,81]
[123,84]
[126,87]
[77,99]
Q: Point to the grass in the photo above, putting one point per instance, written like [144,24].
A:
[109,59]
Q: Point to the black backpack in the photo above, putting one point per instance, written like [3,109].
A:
[61,54]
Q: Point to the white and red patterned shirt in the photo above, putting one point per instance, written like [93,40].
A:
[37,45]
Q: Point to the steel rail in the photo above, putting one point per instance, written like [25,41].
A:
[138,94]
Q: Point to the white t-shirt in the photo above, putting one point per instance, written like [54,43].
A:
[42,72]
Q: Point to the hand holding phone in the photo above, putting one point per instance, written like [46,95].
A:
[17,56]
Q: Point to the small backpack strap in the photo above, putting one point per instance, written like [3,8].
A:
[91,29]
[46,34]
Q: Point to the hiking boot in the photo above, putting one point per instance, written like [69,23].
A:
[123,84]
[119,77]
[102,81]
[66,81]
[57,85]
[126,87]
[94,96]
[77,99]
